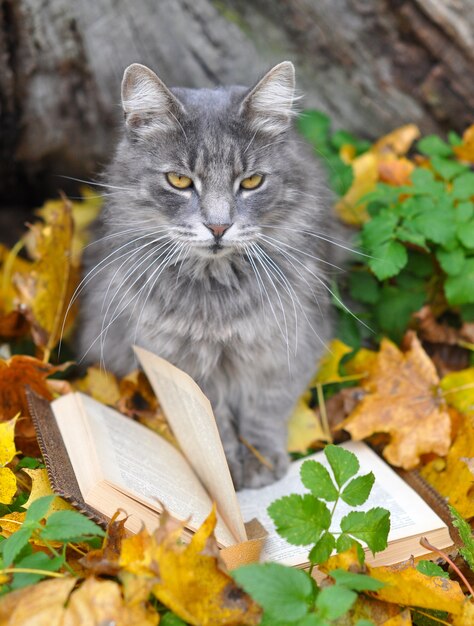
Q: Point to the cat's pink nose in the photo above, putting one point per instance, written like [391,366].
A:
[218,229]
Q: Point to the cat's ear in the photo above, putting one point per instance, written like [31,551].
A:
[147,102]
[269,105]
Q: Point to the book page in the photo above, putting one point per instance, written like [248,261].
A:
[190,416]
[138,462]
[409,513]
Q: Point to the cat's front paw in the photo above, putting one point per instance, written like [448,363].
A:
[256,474]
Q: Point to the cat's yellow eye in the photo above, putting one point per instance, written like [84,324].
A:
[178,180]
[252,182]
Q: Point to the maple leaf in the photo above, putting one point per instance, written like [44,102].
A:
[7,452]
[106,559]
[330,363]
[395,171]
[100,385]
[403,400]
[44,290]
[188,579]
[15,374]
[40,486]
[398,142]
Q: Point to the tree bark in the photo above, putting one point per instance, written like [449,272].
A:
[371,64]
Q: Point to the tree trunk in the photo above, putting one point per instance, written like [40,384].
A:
[371,64]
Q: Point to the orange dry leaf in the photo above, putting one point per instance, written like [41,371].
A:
[15,374]
[379,613]
[403,400]
[465,151]
[13,325]
[365,171]
[188,578]
[395,171]
[398,141]
[45,290]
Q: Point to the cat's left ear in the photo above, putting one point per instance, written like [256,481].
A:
[269,105]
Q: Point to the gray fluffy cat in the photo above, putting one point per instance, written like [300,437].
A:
[211,252]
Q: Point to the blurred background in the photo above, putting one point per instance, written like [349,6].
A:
[372,65]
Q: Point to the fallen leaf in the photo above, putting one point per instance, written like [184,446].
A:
[451,476]
[15,374]
[100,602]
[13,325]
[330,363]
[7,452]
[188,578]
[466,617]
[84,213]
[429,329]
[36,605]
[365,171]
[379,613]
[465,151]
[404,584]
[395,170]
[11,522]
[403,400]
[44,292]
[304,428]
[399,141]
[10,264]
[100,385]
[40,486]
[362,363]
[105,561]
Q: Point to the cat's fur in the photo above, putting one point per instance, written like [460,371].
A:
[246,316]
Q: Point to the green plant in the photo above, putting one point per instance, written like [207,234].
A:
[290,596]
[64,527]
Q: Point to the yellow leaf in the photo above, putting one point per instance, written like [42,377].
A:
[36,605]
[189,580]
[44,290]
[101,602]
[398,141]
[395,170]
[100,384]
[365,172]
[40,486]
[347,153]
[304,428]
[10,264]
[403,400]
[458,388]
[7,485]
[7,441]
[11,522]
[84,212]
[407,586]
[451,476]
[328,371]
[362,363]
[379,613]
[465,151]
[466,617]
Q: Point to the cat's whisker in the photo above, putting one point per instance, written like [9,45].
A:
[330,291]
[123,232]
[287,245]
[95,184]
[301,306]
[256,277]
[257,273]
[130,271]
[171,260]
[286,285]
[318,236]
[282,308]
[115,315]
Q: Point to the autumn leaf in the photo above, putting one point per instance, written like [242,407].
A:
[13,325]
[40,486]
[84,212]
[403,400]
[44,290]
[398,141]
[304,428]
[188,578]
[10,264]
[465,151]
[7,452]
[451,476]
[395,171]
[100,385]
[41,604]
[365,171]
[330,363]
[105,560]
[15,375]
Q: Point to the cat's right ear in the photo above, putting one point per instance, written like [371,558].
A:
[147,102]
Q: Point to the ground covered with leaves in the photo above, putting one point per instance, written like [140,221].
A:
[400,373]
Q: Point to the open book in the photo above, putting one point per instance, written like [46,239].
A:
[118,463]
